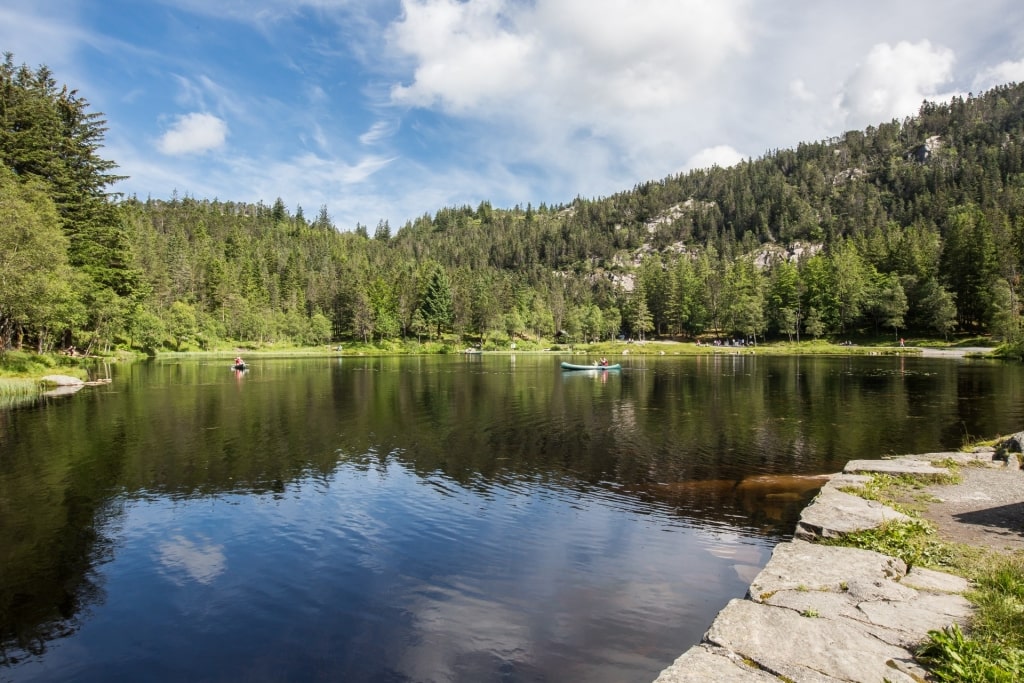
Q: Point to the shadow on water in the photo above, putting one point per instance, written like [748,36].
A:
[716,443]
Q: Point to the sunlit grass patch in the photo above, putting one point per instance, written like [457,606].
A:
[990,651]
[889,489]
[911,541]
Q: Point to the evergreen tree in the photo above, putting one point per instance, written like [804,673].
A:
[969,263]
[436,306]
[784,293]
[885,302]
[640,319]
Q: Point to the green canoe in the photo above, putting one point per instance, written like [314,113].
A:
[571,366]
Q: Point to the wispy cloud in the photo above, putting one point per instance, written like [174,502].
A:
[378,131]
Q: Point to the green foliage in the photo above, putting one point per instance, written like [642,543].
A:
[16,389]
[36,293]
[952,656]
[437,306]
[14,363]
[910,541]
[48,143]
[181,323]
[999,596]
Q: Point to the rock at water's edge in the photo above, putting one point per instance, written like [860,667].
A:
[62,380]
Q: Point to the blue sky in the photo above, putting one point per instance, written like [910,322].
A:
[389,109]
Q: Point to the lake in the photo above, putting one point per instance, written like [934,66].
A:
[469,518]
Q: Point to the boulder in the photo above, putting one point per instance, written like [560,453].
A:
[1011,444]
[61,380]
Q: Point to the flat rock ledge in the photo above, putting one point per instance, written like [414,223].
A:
[62,380]
[819,613]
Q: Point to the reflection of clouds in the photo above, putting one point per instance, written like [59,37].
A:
[588,595]
[202,562]
[725,545]
[456,627]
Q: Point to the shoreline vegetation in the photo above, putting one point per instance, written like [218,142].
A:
[18,368]
[21,371]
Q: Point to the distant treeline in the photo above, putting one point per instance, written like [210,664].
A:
[911,227]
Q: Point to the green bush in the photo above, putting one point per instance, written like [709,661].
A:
[26,363]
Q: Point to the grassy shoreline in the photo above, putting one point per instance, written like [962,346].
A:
[27,365]
[615,348]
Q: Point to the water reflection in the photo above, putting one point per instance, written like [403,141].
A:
[411,519]
[200,561]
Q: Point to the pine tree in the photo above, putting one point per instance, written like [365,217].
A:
[437,305]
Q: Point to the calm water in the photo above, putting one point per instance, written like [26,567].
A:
[430,519]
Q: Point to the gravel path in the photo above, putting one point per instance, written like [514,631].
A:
[986,509]
[954,353]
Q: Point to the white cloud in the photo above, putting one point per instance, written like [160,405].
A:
[596,94]
[798,89]
[719,155]
[200,91]
[377,132]
[1005,72]
[195,132]
[316,94]
[894,80]
[581,59]
[465,56]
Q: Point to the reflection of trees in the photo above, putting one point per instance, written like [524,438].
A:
[55,493]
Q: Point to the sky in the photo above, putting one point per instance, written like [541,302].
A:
[386,110]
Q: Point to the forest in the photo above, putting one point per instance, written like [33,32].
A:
[910,227]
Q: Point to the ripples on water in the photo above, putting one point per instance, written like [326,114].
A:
[420,520]
[381,574]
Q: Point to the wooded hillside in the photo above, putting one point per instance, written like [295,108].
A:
[913,226]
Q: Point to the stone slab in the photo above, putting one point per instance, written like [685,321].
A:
[804,648]
[835,513]
[914,618]
[899,466]
[800,565]
[703,663]
[843,480]
[936,582]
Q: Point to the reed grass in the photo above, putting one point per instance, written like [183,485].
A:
[18,386]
